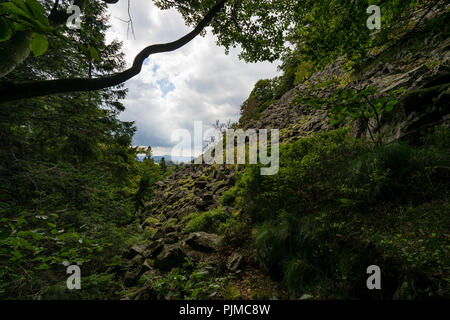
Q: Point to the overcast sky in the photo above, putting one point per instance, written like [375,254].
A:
[195,83]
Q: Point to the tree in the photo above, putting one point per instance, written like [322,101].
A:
[321,30]
[163,165]
[149,152]
[65,164]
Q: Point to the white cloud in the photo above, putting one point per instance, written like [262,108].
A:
[198,82]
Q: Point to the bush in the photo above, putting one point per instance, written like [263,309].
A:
[333,209]
[208,221]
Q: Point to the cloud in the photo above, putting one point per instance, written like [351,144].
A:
[198,82]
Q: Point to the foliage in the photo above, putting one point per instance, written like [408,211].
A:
[25,15]
[334,205]
[208,221]
[348,104]
[68,175]
[191,281]
[150,173]
[321,30]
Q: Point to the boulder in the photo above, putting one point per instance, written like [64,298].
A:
[219,185]
[151,222]
[148,265]
[171,238]
[136,249]
[153,251]
[202,241]
[171,256]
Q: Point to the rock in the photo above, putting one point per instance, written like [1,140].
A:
[171,238]
[170,257]
[148,264]
[160,184]
[136,249]
[202,241]
[201,184]
[171,225]
[151,222]
[235,262]
[137,260]
[207,199]
[130,278]
[219,185]
[158,235]
[153,251]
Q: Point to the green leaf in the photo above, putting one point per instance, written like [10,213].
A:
[39,44]
[5,30]
[390,105]
[20,4]
[22,26]
[38,11]
[94,54]
[44,266]
[15,10]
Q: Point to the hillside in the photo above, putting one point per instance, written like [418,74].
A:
[245,237]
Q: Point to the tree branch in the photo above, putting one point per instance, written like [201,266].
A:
[10,91]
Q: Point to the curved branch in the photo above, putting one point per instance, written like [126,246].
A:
[10,91]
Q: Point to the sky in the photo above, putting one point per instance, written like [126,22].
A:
[197,82]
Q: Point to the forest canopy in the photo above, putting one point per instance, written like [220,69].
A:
[319,30]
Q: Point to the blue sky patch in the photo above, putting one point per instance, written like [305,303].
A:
[165,86]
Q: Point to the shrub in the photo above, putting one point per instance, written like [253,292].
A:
[208,221]
[333,209]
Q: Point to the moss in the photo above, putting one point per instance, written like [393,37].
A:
[232,292]
[172,222]
[151,230]
[152,222]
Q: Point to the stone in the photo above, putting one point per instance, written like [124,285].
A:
[151,222]
[201,184]
[235,262]
[129,279]
[219,185]
[171,238]
[153,251]
[158,235]
[136,249]
[148,264]
[171,256]
[202,241]
[171,225]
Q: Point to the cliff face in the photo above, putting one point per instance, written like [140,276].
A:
[420,65]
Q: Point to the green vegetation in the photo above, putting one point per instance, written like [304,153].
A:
[69,179]
[191,282]
[338,205]
[208,221]
[73,192]
[347,104]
